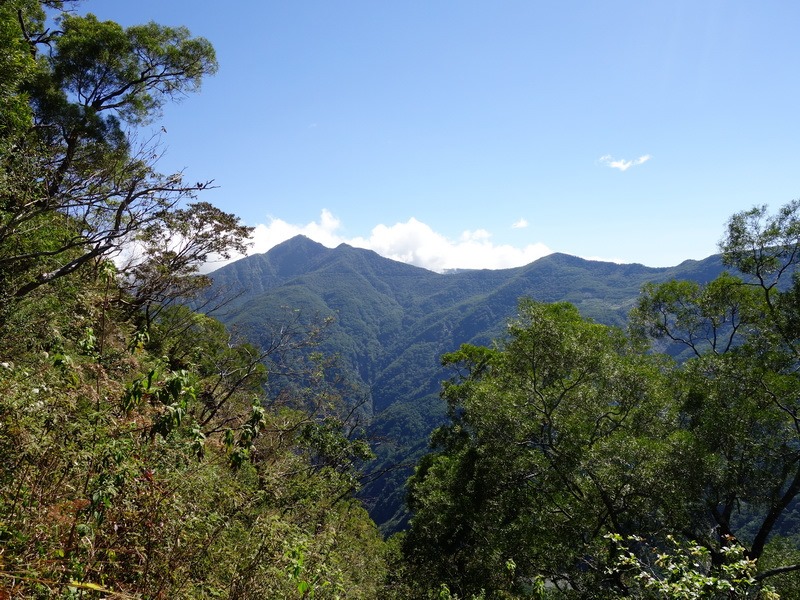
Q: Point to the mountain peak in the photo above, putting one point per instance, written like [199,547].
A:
[298,243]
[295,255]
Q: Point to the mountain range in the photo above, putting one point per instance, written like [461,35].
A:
[391,322]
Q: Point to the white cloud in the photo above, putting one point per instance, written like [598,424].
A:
[266,236]
[521,224]
[475,236]
[622,164]
[412,242]
[416,243]
[277,230]
[606,259]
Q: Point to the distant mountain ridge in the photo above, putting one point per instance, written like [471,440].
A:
[555,277]
[393,321]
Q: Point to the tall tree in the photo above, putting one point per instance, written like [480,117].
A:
[739,399]
[78,186]
[554,441]
[145,462]
[568,433]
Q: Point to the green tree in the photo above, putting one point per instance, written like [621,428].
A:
[141,455]
[685,571]
[170,251]
[568,431]
[555,440]
[738,462]
[77,185]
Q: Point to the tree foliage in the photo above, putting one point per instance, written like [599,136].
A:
[151,476]
[686,571]
[567,435]
[740,400]
[549,448]
[143,453]
[77,184]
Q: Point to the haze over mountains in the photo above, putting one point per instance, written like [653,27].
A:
[393,321]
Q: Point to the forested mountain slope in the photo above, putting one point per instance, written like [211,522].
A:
[392,322]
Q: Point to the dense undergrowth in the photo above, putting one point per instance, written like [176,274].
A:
[143,456]
[147,463]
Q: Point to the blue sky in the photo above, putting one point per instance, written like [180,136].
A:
[486,134]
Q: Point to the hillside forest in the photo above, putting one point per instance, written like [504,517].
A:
[148,451]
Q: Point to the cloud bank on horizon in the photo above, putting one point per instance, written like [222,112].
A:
[412,242]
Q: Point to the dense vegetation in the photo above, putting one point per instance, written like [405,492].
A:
[392,322]
[148,452]
[572,453]
[141,457]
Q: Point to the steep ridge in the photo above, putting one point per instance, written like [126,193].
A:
[261,272]
[393,321]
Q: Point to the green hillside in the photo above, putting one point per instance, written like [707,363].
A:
[392,322]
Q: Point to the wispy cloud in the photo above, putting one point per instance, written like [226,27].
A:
[622,164]
[412,242]
[521,224]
